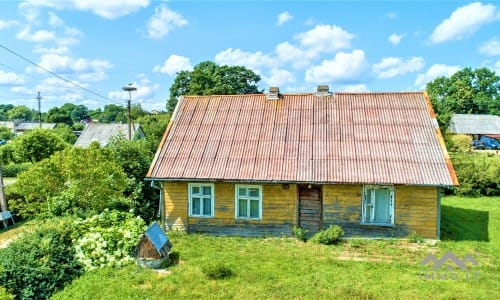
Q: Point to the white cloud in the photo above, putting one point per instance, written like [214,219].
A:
[173,64]
[395,39]
[109,9]
[464,22]
[391,15]
[343,68]
[54,20]
[144,95]
[325,38]
[491,47]
[252,61]
[5,24]
[38,36]
[291,54]
[353,88]
[283,18]
[163,21]
[390,67]
[10,78]
[278,77]
[433,72]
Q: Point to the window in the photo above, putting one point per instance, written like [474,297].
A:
[201,199]
[248,202]
[378,205]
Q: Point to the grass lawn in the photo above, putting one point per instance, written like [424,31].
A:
[285,268]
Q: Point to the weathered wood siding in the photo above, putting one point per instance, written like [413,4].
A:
[279,212]
[415,210]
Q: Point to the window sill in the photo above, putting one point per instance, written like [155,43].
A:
[378,224]
[201,217]
[248,219]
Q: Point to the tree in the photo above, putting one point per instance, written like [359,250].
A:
[65,132]
[35,145]
[80,112]
[59,116]
[154,127]
[465,92]
[113,113]
[21,112]
[4,108]
[5,133]
[208,78]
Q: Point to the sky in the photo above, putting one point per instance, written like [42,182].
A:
[85,52]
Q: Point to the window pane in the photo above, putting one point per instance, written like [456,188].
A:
[368,205]
[382,205]
[207,190]
[242,191]
[195,206]
[254,209]
[195,190]
[207,206]
[242,208]
[253,192]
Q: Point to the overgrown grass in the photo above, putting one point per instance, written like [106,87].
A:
[285,268]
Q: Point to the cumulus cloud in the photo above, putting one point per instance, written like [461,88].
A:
[38,36]
[491,47]
[109,9]
[163,21]
[5,24]
[464,22]
[283,18]
[343,68]
[250,60]
[54,20]
[325,38]
[144,95]
[390,67]
[299,58]
[395,39]
[173,64]
[10,78]
[433,72]
[278,77]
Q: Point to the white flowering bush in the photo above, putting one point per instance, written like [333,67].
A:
[107,239]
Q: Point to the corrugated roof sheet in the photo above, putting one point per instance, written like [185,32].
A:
[103,133]
[379,138]
[475,124]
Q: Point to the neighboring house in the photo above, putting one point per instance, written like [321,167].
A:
[475,125]
[103,133]
[21,127]
[258,165]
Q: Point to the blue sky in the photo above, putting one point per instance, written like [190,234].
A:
[296,45]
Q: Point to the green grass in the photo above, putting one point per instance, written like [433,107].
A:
[285,268]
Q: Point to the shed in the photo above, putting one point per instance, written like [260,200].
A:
[475,125]
[154,246]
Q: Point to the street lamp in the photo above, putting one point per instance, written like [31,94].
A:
[129,88]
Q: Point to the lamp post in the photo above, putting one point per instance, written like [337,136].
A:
[129,88]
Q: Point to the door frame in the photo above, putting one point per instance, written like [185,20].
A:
[310,186]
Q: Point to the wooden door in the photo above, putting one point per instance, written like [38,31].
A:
[310,208]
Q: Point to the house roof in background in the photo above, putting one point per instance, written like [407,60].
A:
[23,126]
[379,138]
[103,133]
[475,124]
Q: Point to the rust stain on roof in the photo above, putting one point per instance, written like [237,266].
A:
[379,138]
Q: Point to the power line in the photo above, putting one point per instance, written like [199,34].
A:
[59,76]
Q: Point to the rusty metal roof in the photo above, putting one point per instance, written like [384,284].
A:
[379,138]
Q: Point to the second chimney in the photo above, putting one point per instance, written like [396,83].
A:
[323,90]
[274,93]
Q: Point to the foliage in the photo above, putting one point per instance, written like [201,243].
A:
[11,170]
[208,78]
[154,127]
[35,145]
[5,133]
[477,173]
[328,236]
[4,108]
[106,239]
[65,132]
[217,270]
[465,92]
[300,233]
[21,112]
[75,180]
[39,263]
[459,143]
[113,113]
[415,237]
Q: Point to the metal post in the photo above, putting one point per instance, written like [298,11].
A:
[129,88]
[39,98]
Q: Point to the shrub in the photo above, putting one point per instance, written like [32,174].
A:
[217,271]
[106,239]
[460,143]
[11,170]
[300,233]
[331,235]
[477,174]
[415,237]
[39,263]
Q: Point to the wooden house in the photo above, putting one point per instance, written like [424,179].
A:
[258,165]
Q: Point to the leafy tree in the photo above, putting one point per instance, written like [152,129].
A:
[154,127]
[4,108]
[208,78]
[95,114]
[465,92]
[35,145]
[75,180]
[80,112]
[65,132]
[5,133]
[21,112]
[58,115]
[113,113]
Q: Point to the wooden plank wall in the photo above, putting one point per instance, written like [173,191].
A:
[176,205]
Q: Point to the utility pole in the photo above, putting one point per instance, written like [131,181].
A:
[129,88]
[3,202]
[39,98]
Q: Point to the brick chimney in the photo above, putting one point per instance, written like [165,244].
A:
[274,93]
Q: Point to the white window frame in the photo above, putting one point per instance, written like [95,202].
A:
[237,202]
[190,197]
[372,204]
